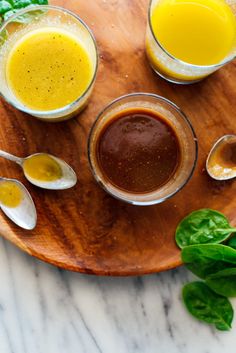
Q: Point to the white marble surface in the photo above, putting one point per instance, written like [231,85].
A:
[47,310]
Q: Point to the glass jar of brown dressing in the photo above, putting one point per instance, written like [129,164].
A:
[142,149]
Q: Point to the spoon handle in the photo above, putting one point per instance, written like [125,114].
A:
[11,157]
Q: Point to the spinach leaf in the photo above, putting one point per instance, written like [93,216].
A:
[20,4]
[208,306]
[10,7]
[204,226]
[232,242]
[5,6]
[223,282]
[26,18]
[204,260]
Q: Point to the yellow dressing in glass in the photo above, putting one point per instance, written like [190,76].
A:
[48,69]
[43,168]
[200,32]
[158,64]
[10,194]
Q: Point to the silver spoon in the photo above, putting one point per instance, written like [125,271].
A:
[221,161]
[66,180]
[17,204]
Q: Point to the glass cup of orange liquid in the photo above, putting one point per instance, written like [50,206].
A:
[187,40]
[48,62]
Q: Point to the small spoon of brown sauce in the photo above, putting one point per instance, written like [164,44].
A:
[221,162]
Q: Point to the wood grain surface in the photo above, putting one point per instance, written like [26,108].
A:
[84,229]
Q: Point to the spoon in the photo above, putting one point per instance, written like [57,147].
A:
[221,162]
[17,204]
[45,171]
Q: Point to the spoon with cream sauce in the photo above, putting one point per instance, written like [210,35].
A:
[45,171]
[221,162]
[17,204]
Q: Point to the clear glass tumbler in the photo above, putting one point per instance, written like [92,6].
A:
[40,17]
[183,129]
[171,68]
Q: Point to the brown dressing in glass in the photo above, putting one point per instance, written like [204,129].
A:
[138,151]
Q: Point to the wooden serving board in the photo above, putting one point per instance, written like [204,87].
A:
[84,229]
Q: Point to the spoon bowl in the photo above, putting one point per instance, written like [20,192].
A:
[67,177]
[17,204]
[45,170]
[221,161]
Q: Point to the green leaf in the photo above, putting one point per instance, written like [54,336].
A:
[40,2]
[223,282]
[26,18]
[204,260]
[208,306]
[20,4]
[9,8]
[4,7]
[204,226]
[232,242]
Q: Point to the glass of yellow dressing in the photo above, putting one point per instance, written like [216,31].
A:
[187,40]
[48,62]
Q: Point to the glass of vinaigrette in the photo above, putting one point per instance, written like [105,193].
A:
[142,149]
[187,40]
[48,62]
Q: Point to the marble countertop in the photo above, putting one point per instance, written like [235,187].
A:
[47,310]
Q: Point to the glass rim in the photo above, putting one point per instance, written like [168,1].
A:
[129,200]
[226,61]
[46,113]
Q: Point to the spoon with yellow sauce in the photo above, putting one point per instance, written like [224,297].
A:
[45,170]
[221,162]
[17,204]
